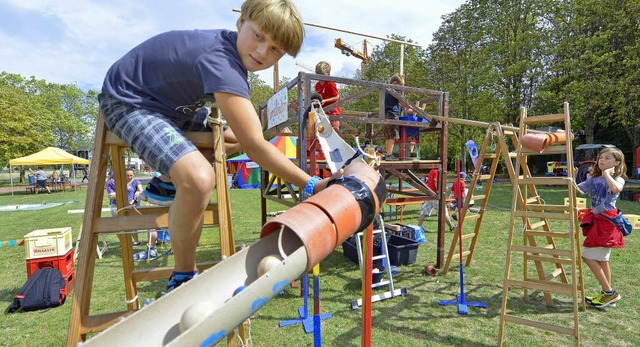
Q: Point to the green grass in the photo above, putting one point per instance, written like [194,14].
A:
[414,320]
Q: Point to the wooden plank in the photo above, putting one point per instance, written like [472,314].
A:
[542,233]
[542,215]
[540,325]
[550,260]
[543,250]
[548,118]
[545,287]
[555,181]
[97,323]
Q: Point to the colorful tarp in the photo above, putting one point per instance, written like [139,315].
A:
[248,172]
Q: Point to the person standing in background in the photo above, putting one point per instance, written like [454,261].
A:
[329,92]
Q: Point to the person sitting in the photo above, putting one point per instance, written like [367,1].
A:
[55,176]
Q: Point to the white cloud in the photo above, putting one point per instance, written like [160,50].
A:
[66,41]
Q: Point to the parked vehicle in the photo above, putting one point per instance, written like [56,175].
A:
[584,157]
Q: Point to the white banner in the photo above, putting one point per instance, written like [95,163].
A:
[277,108]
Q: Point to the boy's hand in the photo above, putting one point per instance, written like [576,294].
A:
[322,184]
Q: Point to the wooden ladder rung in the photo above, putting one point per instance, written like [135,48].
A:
[549,181]
[541,325]
[542,250]
[546,207]
[464,254]
[542,215]
[100,322]
[468,236]
[547,118]
[539,224]
[543,233]
[555,273]
[533,200]
[200,139]
[471,216]
[555,149]
[563,261]
[543,286]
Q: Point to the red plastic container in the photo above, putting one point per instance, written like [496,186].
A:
[64,263]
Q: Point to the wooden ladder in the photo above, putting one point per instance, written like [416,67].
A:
[106,143]
[502,149]
[550,239]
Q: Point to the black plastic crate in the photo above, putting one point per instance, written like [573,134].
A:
[351,251]
[402,251]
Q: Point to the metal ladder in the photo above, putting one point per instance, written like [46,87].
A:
[392,292]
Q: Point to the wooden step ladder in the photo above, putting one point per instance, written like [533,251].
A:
[494,130]
[218,214]
[550,237]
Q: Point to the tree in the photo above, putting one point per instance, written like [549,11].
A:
[37,114]
[18,135]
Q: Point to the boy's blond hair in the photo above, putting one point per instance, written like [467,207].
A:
[397,78]
[279,18]
[323,67]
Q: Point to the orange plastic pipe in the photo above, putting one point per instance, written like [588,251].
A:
[325,220]
[538,142]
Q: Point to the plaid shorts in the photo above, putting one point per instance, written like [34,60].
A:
[391,131]
[159,140]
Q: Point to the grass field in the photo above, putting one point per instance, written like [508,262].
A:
[414,320]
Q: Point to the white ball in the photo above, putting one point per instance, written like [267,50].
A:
[195,314]
[267,263]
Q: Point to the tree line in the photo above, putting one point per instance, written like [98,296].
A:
[35,114]
[492,57]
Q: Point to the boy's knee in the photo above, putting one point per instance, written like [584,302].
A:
[197,181]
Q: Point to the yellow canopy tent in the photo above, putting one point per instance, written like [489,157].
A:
[47,156]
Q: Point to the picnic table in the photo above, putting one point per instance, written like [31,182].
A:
[400,202]
[54,186]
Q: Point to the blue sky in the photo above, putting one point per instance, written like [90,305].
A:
[65,41]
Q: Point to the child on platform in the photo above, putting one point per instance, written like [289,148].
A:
[329,92]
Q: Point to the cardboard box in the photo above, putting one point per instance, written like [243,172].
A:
[47,243]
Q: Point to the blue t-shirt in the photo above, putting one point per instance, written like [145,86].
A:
[598,190]
[175,72]
[41,175]
[391,104]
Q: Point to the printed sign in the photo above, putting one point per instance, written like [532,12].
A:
[277,108]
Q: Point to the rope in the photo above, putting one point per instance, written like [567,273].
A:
[220,122]
[374,160]
[247,330]
[128,302]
